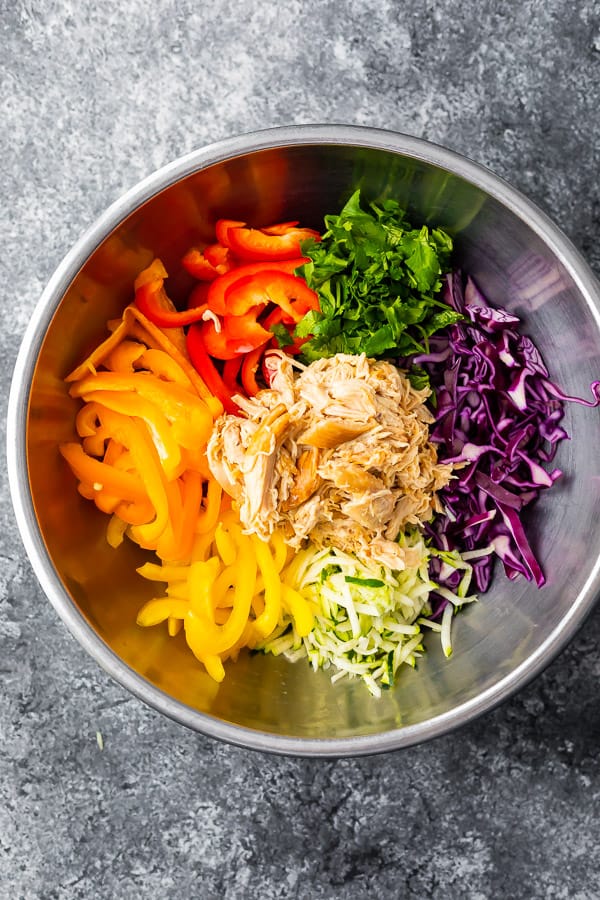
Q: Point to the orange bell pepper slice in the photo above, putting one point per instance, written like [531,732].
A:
[136,439]
[91,471]
[129,403]
[188,415]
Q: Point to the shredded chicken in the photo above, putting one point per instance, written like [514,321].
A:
[338,454]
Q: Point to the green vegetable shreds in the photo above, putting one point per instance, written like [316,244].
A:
[377,278]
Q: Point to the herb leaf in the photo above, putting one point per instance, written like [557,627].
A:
[282,335]
[377,279]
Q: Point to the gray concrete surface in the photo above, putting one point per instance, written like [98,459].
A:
[95,96]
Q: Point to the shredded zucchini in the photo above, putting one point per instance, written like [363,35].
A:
[368,619]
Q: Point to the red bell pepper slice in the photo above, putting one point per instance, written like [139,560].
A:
[231,370]
[238,335]
[290,293]
[245,332]
[198,296]
[218,255]
[152,301]
[260,245]
[207,369]
[249,368]
[281,228]
[222,229]
[207,265]
[273,318]
[221,286]
[216,342]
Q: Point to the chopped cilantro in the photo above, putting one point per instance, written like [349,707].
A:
[378,281]
[282,335]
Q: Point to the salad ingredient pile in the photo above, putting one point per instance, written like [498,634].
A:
[339,455]
[498,421]
[369,620]
[143,426]
[325,450]
[378,281]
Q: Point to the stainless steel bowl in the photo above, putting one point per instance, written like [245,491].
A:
[518,257]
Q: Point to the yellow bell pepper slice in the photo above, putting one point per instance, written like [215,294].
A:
[135,438]
[159,610]
[188,415]
[207,520]
[129,403]
[299,608]
[205,638]
[268,619]
[201,578]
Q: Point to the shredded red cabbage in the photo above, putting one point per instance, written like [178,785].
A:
[498,415]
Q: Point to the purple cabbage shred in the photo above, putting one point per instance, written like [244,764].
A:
[498,418]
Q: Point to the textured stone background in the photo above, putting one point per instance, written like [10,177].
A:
[95,96]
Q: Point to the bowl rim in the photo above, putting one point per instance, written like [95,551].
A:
[81,629]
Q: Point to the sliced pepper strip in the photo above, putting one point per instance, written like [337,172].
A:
[168,546]
[129,403]
[214,667]
[174,626]
[154,572]
[299,608]
[209,639]
[91,471]
[231,370]
[152,300]
[219,288]
[159,363]
[100,353]
[133,436]
[280,228]
[189,415]
[217,343]
[209,517]
[276,243]
[115,531]
[135,324]
[192,499]
[122,358]
[208,264]
[287,291]
[269,618]
[249,368]
[205,366]
[238,335]
[135,513]
[225,545]
[161,608]
[201,578]
[222,227]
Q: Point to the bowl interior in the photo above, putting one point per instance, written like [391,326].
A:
[510,262]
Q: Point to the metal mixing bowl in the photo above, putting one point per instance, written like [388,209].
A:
[518,257]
